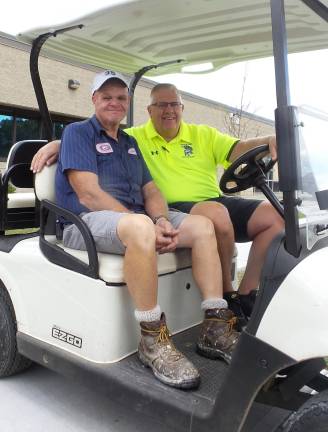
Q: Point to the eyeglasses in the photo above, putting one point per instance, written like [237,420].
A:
[163,105]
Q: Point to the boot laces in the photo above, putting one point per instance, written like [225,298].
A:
[164,339]
[231,323]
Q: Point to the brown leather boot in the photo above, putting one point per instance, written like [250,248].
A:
[218,338]
[157,351]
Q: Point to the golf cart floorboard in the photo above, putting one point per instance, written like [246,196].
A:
[133,385]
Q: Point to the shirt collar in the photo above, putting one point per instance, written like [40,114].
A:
[183,134]
[95,123]
[99,128]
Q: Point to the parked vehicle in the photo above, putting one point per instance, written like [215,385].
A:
[70,310]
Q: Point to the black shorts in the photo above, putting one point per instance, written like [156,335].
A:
[240,211]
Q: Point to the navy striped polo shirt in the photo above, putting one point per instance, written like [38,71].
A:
[119,165]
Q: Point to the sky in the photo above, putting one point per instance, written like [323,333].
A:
[308,72]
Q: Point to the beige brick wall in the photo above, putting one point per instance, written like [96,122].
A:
[16,85]
[16,90]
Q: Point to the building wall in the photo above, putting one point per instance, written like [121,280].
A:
[16,85]
[16,91]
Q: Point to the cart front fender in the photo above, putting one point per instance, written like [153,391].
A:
[295,322]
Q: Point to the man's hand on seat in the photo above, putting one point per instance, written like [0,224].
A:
[47,155]
[166,236]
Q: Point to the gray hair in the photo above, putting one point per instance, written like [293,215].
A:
[163,86]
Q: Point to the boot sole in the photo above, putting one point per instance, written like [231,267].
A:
[213,354]
[185,385]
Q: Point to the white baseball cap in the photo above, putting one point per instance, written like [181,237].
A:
[107,75]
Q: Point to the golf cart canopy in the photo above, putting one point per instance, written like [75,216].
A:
[202,33]
[139,36]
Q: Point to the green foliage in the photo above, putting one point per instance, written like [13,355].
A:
[22,231]
[11,188]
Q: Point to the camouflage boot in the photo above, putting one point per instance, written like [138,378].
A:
[217,337]
[247,302]
[156,350]
[234,304]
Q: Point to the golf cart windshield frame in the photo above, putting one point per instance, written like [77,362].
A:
[286,122]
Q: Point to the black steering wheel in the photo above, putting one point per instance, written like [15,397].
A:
[243,177]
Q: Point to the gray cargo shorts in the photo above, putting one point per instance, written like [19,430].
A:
[103,227]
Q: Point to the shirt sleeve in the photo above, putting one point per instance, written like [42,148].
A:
[222,147]
[146,176]
[77,150]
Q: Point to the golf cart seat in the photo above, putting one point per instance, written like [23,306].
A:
[110,266]
[18,209]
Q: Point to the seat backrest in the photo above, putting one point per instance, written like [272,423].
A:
[44,183]
[20,153]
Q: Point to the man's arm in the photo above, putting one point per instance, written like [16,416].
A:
[244,145]
[47,155]
[90,194]
[155,205]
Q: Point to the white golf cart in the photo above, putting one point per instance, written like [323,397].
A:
[70,310]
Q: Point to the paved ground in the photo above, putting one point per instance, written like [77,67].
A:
[41,401]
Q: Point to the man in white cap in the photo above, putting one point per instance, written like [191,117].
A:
[102,176]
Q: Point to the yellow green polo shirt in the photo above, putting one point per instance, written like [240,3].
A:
[184,168]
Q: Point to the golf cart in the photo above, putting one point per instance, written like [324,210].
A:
[70,310]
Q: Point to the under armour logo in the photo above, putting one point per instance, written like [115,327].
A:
[155,152]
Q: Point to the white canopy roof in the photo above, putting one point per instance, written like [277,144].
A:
[136,33]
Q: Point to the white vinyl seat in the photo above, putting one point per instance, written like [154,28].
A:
[110,265]
[19,209]
[21,200]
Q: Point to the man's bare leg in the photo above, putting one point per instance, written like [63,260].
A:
[140,262]
[156,349]
[197,233]
[224,233]
[264,224]
[217,338]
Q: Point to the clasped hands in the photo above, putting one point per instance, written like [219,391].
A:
[166,236]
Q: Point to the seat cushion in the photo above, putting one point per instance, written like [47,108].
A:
[111,266]
[21,200]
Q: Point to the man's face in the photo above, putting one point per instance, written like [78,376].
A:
[166,119]
[111,103]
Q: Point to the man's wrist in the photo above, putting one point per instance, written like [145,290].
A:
[155,219]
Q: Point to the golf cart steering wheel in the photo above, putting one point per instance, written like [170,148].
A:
[246,176]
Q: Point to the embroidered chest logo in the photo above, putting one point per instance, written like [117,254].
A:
[104,148]
[188,150]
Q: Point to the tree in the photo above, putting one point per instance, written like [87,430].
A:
[236,123]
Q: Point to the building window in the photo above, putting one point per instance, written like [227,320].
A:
[27,128]
[6,134]
[58,129]
[18,125]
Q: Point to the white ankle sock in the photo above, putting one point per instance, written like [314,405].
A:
[214,303]
[149,315]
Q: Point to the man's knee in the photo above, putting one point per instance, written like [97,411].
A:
[198,226]
[217,213]
[137,229]
[273,217]
[264,218]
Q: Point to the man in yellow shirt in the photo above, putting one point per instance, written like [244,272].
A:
[183,159]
